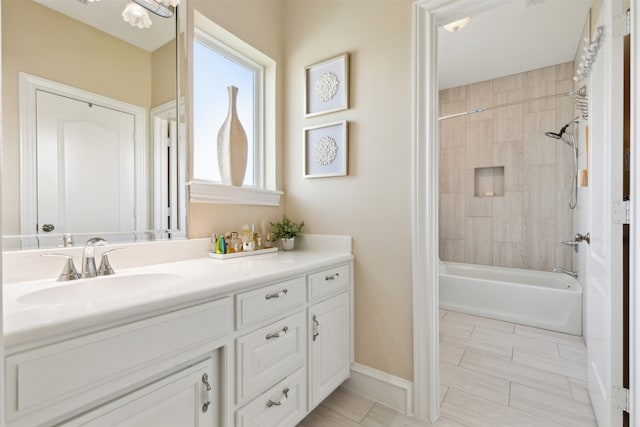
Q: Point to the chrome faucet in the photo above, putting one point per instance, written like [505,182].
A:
[565,271]
[88,260]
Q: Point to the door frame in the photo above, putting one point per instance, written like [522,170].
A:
[167,112]
[424,213]
[634,233]
[28,85]
[426,15]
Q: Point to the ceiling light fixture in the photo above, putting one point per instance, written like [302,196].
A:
[136,15]
[457,25]
[159,7]
[135,11]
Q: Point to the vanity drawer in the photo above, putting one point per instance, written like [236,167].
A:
[62,377]
[284,405]
[267,355]
[265,302]
[328,282]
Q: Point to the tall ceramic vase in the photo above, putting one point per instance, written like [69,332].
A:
[232,145]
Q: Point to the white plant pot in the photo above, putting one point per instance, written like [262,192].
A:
[288,244]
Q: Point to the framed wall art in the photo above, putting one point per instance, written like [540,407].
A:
[327,86]
[325,150]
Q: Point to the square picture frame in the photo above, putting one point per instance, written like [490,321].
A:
[327,86]
[326,150]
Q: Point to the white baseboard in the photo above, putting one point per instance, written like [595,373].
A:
[387,389]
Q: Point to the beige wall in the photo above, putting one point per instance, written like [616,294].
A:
[163,74]
[373,203]
[522,227]
[50,45]
[259,23]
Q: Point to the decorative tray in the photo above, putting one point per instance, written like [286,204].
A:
[242,254]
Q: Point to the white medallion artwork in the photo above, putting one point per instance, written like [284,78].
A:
[327,87]
[325,151]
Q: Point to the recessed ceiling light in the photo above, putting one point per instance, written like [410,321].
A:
[457,25]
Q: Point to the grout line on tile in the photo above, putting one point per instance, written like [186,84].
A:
[368,412]
[445,395]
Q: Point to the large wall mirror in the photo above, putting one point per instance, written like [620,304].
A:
[93,125]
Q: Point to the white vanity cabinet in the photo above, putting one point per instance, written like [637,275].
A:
[330,329]
[288,367]
[55,382]
[259,353]
[271,346]
[188,398]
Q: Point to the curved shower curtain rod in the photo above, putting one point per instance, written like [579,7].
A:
[480,110]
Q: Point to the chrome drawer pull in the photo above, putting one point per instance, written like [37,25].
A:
[316,327]
[276,295]
[278,334]
[334,277]
[271,403]
[205,381]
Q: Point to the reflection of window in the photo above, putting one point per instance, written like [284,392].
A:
[215,67]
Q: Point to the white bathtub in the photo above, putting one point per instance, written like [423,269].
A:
[535,298]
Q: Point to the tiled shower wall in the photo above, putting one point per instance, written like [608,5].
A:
[522,224]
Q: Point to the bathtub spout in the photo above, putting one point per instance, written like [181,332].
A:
[565,271]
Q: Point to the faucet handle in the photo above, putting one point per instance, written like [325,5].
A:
[105,268]
[69,271]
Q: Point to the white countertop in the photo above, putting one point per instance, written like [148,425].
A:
[26,323]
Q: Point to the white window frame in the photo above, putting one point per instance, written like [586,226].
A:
[264,190]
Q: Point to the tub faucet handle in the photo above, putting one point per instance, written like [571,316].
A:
[570,243]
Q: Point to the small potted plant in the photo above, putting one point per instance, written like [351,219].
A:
[286,231]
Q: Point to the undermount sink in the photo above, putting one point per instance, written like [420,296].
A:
[99,288]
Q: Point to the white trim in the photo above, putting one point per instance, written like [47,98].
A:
[168,112]
[425,211]
[28,85]
[391,391]
[210,192]
[634,233]
[2,409]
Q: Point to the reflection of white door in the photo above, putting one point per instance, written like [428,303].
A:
[85,166]
[603,290]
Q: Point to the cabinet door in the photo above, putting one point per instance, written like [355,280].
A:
[187,398]
[329,348]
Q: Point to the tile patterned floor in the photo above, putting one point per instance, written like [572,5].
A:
[492,374]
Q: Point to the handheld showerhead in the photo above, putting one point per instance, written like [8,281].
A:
[569,139]
[560,136]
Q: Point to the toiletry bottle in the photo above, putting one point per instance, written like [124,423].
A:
[268,241]
[236,242]
[221,247]
[228,240]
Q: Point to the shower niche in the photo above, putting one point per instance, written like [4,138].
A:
[489,181]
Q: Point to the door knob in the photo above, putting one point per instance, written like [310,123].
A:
[48,228]
[583,238]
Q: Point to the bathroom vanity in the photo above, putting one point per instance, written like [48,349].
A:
[256,341]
